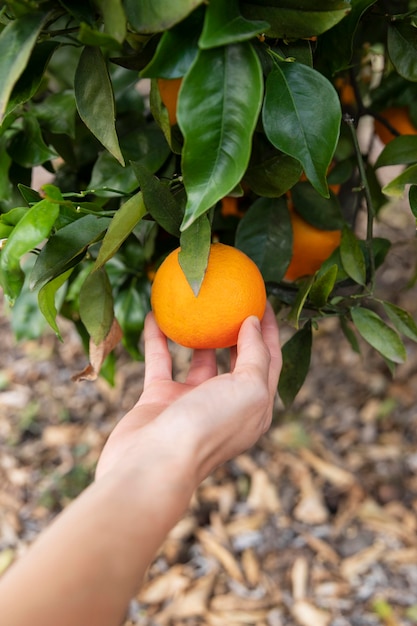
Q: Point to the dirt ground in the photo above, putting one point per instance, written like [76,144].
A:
[316,525]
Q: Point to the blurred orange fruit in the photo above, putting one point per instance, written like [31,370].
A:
[168,90]
[310,248]
[230,206]
[232,290]
[399,119]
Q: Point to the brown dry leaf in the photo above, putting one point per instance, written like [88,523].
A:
[99,353]
[232,602]
[310,508]
[333,473]
[165,587]
[323,550]
[236,618]
[263,494]
[246,524]
[353,566]
[403,556]
[307,614]
[192,603]
[299,578]
[251,567]
[220,553]
[377,518]
[61,435]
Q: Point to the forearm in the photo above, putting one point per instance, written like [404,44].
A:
[89,564]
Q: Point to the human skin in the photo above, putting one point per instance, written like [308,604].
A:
[84,569]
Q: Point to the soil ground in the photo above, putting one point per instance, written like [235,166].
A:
[316,525]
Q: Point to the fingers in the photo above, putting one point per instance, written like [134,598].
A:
[203,366]
[270,334]
[157,357]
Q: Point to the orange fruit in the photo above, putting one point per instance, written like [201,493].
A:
[399,118]
[310,248]
[346,92]
[230,206]
[232,289]
[335,187]
[168,90]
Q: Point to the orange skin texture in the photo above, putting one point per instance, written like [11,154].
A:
[168,90]
[311,247]
[230,206]
[399,119]
[232,290]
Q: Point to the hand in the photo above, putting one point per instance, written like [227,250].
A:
[208,419]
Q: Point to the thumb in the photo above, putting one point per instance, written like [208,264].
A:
[252,351]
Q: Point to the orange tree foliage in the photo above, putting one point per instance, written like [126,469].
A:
[262,102]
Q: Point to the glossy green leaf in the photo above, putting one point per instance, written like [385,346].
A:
[46,300]
[30,231]
[122,224]
[296,357]
[155,16]
[96,305]
[94,98]
[176,49]
[224,24]
[352,257]
[30,79]
[67,247]
[402,49]
[270,172]
[114,18]
[350,335]
[159,201]
[195,249]
[218,107]
[294,122]
[265,235]
[401,319]
[380,336]
[5,163]
[302,294]
[57,113]
[323,286]
[396,186]
[324,213]
[401,150]
[16,42]
[28,148]
[291,20]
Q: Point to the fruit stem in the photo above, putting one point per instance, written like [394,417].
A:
[348,119]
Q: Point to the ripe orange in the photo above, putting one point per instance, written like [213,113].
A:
[168,90]
[399,118]
[232,289]
[230,206]
[311,247]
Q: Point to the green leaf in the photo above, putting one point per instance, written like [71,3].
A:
[304,287]
[46,300]
[294,20]
[195,249]
[130,308]
[94,98]
[296,356]
[224,25]
[380,336]
[29,232]
[396,186]
[412,197]
[323,213]
[401,150]
[27,148]
[402,49]
[16,42]
[337,43]
[122,224]
[323,287]
[402,320]
[265,235]
[155,16]
[67,247]
[57,113]
[96,305]
[218,107]
[270,172]
[294,122]
[176,50]
[159,201]
[350,335]
[31,77]
[352,257]
[114,18]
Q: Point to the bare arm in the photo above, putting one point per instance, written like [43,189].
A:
[87,566]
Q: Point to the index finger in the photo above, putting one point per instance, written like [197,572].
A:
[158,361]
[270,333]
